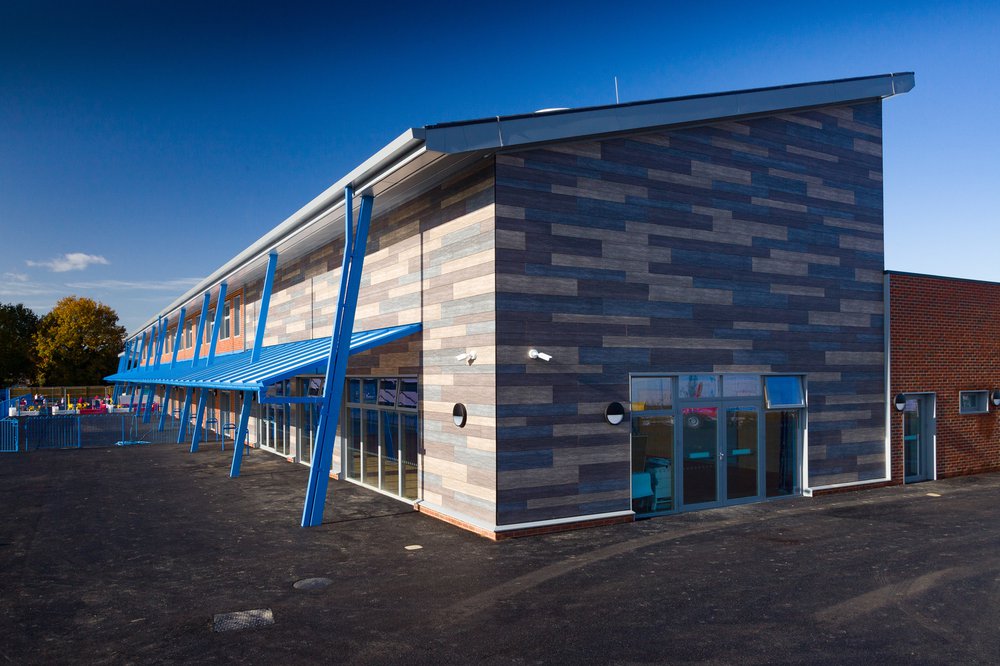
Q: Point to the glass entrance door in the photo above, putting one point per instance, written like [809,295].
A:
[916,447]
[700,442]
[742,453]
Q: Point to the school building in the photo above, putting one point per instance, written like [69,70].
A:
[573,317]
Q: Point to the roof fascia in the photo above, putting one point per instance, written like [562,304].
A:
[506,132]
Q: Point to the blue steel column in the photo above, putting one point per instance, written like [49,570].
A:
[219,307]
[159,343]
[149,403]
[241,435]
[340,349]
[201,330]
[185,413]
[265,304]
[164,406]
[121,368]
[177,337]
[200,416]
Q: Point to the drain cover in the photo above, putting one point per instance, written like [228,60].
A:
[248,619]
[311,583]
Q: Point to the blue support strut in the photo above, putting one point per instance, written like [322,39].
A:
[241,435]
[167,390]
[340,345]
[148,409]
[185,412]
[196,433]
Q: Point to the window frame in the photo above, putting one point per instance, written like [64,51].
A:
[984,399]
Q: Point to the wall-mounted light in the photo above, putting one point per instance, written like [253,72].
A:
[900,402]
[995,397]
[468,357]
[615,413]
[459,414]
[534,353]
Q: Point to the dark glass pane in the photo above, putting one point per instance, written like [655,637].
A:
[390,452]
[741,452]
[354,390]
[700,437]
[408,393]
[370,387]
[781,437]
[387,392]
[652,463]
[354,445]
[369,443]
[408,456]
[314,387]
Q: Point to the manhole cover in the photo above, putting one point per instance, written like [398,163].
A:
[312,583]
[248,619]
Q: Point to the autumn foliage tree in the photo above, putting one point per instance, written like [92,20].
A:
[77,343]
[17,330]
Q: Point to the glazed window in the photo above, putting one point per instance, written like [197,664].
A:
[236,316]
[783,392]
[973,402]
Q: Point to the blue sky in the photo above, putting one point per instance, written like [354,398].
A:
[143,144]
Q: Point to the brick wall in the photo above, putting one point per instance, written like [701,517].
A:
[944,339]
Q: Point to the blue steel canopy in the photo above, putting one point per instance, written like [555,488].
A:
[237,372]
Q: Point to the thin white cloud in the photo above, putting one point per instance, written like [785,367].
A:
[71,261]
[177,284]
[16,277]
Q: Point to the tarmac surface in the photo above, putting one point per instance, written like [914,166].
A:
[126,555]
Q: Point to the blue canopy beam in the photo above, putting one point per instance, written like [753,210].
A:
[340,344]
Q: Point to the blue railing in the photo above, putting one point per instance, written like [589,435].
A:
[42,431]
[8,436]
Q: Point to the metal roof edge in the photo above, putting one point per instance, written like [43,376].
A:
[407,142]
[507,131]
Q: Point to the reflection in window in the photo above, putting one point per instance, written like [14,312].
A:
[783,391]
[370,387]
[387,392]
[652,463]
[408,394]
[354,390]
[740,386]
[649,393]
[698,386]
[973,402]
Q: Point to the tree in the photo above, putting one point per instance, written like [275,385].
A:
[17,329]
[77,343]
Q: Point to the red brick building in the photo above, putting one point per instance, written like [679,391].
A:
[944,370]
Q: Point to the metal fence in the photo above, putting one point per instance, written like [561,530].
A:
[8,436]
[11,402]
[41,432]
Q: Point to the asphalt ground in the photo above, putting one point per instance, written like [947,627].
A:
[125,555]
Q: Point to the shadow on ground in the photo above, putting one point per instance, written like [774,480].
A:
[126,555]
